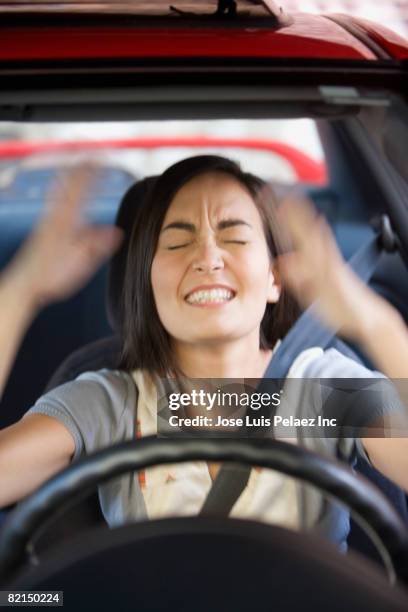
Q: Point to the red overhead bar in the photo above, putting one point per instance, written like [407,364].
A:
[306,168]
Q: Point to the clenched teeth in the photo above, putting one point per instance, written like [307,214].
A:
[216,296]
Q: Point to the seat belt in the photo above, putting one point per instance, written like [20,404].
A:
[307,332]
[227,486]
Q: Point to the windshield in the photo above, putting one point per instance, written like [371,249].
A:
[284,152]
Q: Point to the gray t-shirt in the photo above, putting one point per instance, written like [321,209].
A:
[99,409]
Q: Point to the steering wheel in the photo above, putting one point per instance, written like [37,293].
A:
[368,506]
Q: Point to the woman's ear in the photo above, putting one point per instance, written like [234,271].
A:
[274,285]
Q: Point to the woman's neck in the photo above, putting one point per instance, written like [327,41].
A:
[237,359]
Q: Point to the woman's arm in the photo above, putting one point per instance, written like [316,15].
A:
[31,451]
[385,339]
[56,260]
[316,272]
[92,412]
[16,314]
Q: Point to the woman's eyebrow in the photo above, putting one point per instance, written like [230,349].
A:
[183,225]
[226,223]
[190,227]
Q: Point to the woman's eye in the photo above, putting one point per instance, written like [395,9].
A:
[177,246]
[236,241]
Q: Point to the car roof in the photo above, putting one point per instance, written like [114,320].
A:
[78,30]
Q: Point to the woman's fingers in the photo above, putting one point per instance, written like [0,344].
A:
[79,259]
[310,235]
[298,217]
[289,267]
[63,252]
[315,270]
[98,244]
[68,194]
[295,273]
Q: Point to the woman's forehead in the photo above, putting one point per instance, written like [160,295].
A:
[219,193]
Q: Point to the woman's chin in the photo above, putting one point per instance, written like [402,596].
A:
[203,338]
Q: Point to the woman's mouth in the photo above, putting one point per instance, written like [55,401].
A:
[209,297]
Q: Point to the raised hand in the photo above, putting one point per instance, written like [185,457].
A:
[63,252]
[316,272]
[56,260]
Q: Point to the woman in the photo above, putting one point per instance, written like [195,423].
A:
[202,299]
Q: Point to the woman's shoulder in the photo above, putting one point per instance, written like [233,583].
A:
[98,407]
[331,363]
[104,391]
[108,383]
[116,380]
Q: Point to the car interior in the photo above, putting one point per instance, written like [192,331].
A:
[363,154]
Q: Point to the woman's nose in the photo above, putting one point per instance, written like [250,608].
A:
[208,258]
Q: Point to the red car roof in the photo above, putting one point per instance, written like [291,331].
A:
[307,36]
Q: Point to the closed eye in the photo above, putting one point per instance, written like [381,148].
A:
[236,241]
[178,246]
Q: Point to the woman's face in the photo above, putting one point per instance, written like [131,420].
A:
[211,274]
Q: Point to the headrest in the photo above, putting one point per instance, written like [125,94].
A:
[116,272]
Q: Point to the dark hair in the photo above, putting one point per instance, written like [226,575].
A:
[146,343]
